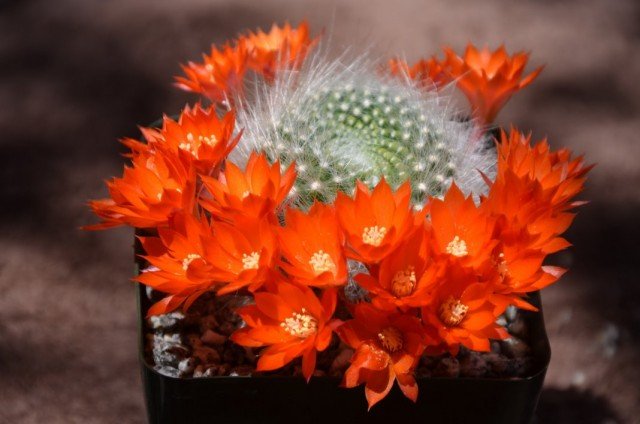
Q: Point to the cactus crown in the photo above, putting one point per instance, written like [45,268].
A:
[346,123]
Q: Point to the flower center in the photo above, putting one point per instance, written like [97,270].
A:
[189,148]
[211,140]
[300,324]
[391,339]
[373,235]
[404,282]
[322,262]
[191,145]
[188,259]
[452,311]
[501,266]
[457,247]
[251,260]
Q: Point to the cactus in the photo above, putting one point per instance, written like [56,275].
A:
[342,123]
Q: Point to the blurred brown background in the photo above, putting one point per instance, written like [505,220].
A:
[75,75]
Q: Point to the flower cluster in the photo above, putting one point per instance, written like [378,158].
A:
[438,273]
[221,74]
[488,79]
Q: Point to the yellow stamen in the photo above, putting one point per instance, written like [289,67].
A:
[391,339]
[501,265]
[251,260]
[452,311]
[188,259]
[211,140]
[373,235]
[192,146]
[300,324]
[189,148]
[457,247]
[322,262]
[404,282]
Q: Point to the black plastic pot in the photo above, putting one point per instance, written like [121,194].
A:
[291,400]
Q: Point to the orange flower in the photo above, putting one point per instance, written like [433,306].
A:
[462,313]
[205,138]
[527,231]
[178,265]
[560,177]
[256,192]
[534,191]
[220,76]
[158,184]
[242,254]
[488,79]
[523,209]
[427,73]
[520,270]
[403,278]
[376,222]
[193,256]
[280,48]
[531,198]
[461,231]
[387,349]
[292,322]
[312,247]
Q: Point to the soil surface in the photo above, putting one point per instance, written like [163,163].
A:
[76,75]
[196,344]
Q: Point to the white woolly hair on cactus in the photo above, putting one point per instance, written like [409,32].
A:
[342,120]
